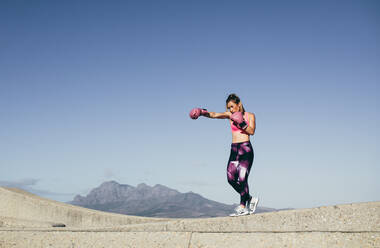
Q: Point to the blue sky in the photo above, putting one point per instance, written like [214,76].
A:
[92,91]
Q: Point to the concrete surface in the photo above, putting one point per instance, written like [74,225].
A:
[61,239]
[25,207]
[25,221]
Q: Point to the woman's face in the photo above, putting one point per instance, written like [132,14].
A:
[233,107]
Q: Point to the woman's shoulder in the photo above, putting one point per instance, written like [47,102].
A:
[250,114]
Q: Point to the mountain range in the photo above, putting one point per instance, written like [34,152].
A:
[156,201]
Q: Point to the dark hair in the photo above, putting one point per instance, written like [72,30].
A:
[233,97]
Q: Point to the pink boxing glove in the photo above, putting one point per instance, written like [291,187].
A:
[238,120]
[196,112]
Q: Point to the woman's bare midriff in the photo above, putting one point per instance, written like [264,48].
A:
[238,137]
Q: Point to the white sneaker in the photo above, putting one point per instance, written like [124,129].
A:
[253,205]
[240,211]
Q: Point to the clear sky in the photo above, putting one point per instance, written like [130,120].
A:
[92,91]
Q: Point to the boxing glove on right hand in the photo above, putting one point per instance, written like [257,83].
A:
[196,112]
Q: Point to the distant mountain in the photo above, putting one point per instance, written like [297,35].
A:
[157,201]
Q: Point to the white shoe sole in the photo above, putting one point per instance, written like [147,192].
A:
[237,215]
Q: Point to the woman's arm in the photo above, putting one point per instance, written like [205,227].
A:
[252,125]
[214,115]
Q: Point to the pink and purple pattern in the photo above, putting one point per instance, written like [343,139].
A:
[239,166]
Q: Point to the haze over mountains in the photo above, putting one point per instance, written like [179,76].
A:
[156,201]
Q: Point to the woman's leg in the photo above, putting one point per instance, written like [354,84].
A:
[232,175]
[245,164]
[232,169]
[238,169]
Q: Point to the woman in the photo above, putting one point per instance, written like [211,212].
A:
[243,125]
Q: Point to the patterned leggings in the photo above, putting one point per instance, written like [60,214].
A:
[239,165]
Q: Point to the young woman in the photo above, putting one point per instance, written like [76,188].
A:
[243,124]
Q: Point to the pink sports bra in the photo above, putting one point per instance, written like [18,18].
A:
[235,128]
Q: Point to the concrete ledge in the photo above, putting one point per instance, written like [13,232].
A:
[10,222]
[298,240]
[25,239]
[25,221]
[21,205]
[19,239]
[359,217]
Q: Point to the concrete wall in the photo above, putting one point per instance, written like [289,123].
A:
[19,208]
[60,239]
[350,225]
